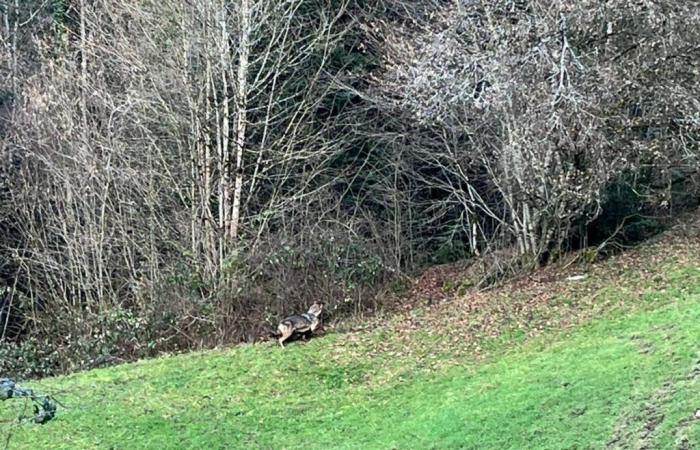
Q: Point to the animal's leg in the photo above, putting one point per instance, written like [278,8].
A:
[286,332]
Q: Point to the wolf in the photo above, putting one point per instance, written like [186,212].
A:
[300,323]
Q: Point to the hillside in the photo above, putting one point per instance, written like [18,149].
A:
[609,360]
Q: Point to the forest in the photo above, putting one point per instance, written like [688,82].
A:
[178,175]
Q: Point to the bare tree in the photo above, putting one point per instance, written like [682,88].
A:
[516,102]
[267,72]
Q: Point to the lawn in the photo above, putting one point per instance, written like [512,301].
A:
[625,375]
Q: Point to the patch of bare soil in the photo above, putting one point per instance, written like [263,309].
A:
[685,425]
[629,434]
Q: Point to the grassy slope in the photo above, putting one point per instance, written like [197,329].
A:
[610,362]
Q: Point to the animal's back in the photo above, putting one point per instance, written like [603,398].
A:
[299,322]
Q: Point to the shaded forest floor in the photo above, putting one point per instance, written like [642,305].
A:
[602,355]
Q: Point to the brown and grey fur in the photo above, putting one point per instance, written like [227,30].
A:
[300,323]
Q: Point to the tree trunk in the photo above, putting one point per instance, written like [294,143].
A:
[241,100]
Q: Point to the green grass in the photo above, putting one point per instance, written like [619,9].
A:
[629,379]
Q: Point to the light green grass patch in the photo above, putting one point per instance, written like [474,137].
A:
[627,380]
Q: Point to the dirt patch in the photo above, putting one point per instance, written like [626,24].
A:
[683,443]
[653,418]
[636,430]
[681,430]
[695,371]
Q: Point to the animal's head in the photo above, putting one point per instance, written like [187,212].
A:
[316,309]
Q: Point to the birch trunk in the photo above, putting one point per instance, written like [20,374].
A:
[83,71]
[242,77]
[225,124]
